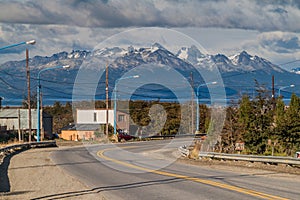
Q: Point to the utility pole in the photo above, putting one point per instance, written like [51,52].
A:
[41,118]
[273,92]
[28,93]
[106,90]
[192,84]
[19,125]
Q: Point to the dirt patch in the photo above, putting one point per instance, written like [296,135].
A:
[33,175]
[242,165]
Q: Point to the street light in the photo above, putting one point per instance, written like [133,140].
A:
[38,96]
[31,42]
[115,99]
[281,88]
[198,115]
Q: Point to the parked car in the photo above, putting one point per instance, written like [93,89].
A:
[297,154]
[124,136]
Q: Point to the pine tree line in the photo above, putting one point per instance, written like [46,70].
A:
[265,126]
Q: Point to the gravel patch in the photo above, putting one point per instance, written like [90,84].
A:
[255,168]
[33,175]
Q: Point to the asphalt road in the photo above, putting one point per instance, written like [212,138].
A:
[148,170]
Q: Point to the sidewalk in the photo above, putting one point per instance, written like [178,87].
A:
[32,175]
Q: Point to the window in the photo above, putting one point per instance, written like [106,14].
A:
[121,118]
[95,117]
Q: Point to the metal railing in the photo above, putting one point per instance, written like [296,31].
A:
[249,158]
[252,158]
[198,135]
[17,147]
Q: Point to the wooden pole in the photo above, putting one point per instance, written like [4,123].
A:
[42,117]
[273,93]
[19,125]
[192,84]
[28,93]
[107,100]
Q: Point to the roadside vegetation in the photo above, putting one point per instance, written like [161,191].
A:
[264,125]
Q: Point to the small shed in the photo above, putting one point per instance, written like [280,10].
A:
[16,119]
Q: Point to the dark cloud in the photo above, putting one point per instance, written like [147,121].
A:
[268,15]
[280,42]
[291,44]
[279,10]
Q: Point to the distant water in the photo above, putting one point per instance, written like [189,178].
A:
[150,94]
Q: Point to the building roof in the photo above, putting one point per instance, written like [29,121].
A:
[14,113]
[82,127]
[101,109]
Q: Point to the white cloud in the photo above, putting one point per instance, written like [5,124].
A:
[266,28]
[278,47]
[280,42]
[50,39]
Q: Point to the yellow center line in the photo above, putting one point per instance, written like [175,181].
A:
[204,181]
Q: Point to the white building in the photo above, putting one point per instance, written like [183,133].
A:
[94,117]
[99,117]
[88,122]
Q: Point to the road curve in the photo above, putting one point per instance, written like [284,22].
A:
[147,170]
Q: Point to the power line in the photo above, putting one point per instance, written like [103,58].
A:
[289,62]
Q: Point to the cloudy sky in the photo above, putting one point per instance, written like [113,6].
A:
[268,28]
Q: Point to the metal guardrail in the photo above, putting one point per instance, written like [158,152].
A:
[198,135]
[252,158]
[43,144]
[12,148]
[184,151]
[249,158]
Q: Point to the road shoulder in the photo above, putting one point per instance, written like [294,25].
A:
[33,175]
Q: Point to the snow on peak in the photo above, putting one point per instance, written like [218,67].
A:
[191,54]
[245,54]
[242,57]
[234,59]
[249,62]
[156,46]
[78,54]
[183,53]
[110,52]
[296,70]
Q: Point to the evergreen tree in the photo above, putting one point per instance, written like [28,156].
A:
[257,120]
[231,133]
[245,113]
[292,134]
[262,126]
[280,126]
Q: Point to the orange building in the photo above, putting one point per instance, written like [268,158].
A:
[79,132]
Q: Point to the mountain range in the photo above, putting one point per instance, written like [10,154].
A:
[241,73]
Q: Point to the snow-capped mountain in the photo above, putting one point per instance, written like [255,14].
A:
[191,54]
[250,63]
[238,71]
[296,70]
